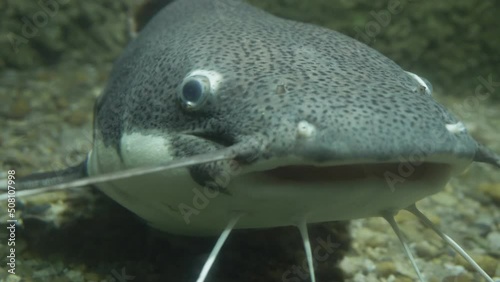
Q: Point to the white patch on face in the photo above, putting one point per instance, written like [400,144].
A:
[154,197]
[214,78]
[305,129]
[141,150]
[136,150]
[455,127]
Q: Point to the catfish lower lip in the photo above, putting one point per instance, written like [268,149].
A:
[307,173]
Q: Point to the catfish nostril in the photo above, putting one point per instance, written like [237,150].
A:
[305,129]
[425,86]
[455,128]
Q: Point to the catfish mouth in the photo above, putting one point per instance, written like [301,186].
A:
[395,171]
[353,172]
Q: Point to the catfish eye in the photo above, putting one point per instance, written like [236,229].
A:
[194,92]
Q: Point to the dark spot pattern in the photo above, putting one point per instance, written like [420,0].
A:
[276,73]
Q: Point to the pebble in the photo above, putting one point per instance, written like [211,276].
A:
[492,190]
[19,109]
[61,103]
[400,278]
[350,265]
[426,250]
[435,219]
[386,268]
[444,199]
[377,224]
[463,277]
[376,241]
[371,238]
[494,241]
[487,263]
[404,216]
[77,118]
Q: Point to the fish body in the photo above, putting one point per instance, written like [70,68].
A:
[318,105]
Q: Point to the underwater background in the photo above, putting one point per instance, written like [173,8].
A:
[56,56]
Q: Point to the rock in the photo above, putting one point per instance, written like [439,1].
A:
[444,199]
[487,263]
[400,278]
[386,268]
[463,277]
[426,250]
[61,103]
[494,241]
[19,109]
[77,118]
[491,190]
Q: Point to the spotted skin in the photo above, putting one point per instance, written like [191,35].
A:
[276,73]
